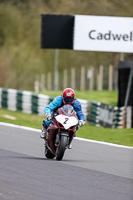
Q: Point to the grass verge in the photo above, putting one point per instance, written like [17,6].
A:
[116,136]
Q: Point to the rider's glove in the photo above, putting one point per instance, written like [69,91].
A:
[81,123]
[48,116]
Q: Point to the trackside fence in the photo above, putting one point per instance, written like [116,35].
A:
[29,102]
[108,116]
[97,113]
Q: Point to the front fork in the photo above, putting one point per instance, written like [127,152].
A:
[58,138]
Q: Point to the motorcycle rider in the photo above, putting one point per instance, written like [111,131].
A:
[68,97]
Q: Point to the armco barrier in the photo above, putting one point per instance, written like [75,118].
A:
[29,102]
[97,113]
[108,116]
[24,101]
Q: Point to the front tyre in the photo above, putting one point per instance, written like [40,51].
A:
[62,147]
[48,153]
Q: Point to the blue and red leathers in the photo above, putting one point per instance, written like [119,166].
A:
[57,103]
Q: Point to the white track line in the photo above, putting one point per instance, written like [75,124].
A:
[77,138]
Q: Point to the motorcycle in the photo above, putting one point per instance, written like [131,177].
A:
[60,132]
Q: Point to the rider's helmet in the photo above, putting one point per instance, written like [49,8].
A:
[68,96]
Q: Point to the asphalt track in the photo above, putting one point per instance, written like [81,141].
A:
[88,171]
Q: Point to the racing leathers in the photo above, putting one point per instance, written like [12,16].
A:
[57,103]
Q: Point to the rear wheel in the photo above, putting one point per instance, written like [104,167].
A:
[48,153]
[61,147]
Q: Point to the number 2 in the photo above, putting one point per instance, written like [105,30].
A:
[66,119]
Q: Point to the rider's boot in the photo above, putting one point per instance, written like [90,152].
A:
[43,134]
[44,130]
[70,146]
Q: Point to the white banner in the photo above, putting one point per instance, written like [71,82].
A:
[103,33]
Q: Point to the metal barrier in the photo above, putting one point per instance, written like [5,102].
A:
[29,102]
[97,113]
[108,116]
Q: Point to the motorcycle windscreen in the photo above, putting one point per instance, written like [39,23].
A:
[66,121]
[67,109]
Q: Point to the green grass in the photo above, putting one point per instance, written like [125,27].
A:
[117,136]
[104,96]
[23,119]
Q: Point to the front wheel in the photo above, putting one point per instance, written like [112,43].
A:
[61,147]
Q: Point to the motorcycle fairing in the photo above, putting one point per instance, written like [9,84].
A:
[66,121]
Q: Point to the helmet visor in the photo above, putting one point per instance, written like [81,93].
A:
[68,100]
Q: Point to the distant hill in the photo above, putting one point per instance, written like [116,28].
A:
[21,57]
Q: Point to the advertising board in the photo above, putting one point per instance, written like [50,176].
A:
[103,33]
